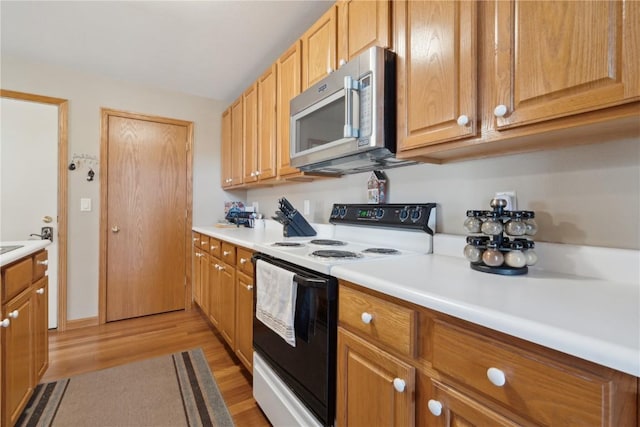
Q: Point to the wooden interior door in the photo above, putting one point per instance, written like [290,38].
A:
[146,215]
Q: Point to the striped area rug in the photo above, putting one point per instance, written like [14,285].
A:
[172,390]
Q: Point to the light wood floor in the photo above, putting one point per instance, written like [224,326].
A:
[90,349]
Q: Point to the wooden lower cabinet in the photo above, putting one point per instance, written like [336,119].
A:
[227,321]
[374,387]
[244,319]
[24,333]
[463,374]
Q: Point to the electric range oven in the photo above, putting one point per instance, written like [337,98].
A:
[296,385]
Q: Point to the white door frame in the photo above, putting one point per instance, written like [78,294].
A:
[63,107]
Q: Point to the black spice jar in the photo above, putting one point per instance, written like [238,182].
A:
[500,242]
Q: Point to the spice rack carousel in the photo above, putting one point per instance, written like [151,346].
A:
[500,243]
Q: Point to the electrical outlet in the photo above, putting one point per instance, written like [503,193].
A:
[510,197]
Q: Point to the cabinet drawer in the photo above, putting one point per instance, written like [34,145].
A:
[390,324]
[244,261]
[40,264]
[228,253]
[215,247]
[204,242]
[17,278]
[542,390]
[196,239]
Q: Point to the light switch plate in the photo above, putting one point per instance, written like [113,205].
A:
[85,205]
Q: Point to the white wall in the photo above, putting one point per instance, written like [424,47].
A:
[585,195]
[87,94]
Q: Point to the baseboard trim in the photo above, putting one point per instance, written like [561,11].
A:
[82,323]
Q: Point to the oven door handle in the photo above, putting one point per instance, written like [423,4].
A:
[310,282]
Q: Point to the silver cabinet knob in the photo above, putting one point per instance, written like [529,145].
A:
[14,314]
[399,385]
[243,260]
[225,253]
[43,262]
[5,323]
[115,229]
[40,291]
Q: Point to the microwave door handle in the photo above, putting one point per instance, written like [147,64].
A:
[350,85]
[309,282]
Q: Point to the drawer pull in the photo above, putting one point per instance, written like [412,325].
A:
[5,323]
[243,260]
[14,314]
[435,407]
[204,242]
[195,239]
[45,262]
[40,291]
[213,248]
[496,376]
[249,287]
[366,318]
[225,253]
[399,385]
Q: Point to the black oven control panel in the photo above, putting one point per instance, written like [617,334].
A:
[399,215]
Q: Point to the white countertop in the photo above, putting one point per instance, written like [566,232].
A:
[28,247]
[594,319]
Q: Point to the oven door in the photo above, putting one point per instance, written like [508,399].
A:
[309,368]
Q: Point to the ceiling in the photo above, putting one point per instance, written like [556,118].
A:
[213,49]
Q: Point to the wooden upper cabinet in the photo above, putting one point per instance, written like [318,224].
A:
[250,134]
[226,157]
[319,44]
[436,68]
[361,25]
[289,73]
[266,125]
[236,142]
[560,58]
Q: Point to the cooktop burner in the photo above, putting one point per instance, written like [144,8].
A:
[327,242]
[332,253]
[288,244]
[384,251]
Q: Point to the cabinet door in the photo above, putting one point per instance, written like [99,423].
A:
[226,152]
[250,134]
[205,260]
[237,115]
[214,291]
[585,58]
[443,406]
[436,65]
[266,141]
[244,319]
[227,319]
[361,25]
[197,276]
[41,327]
[319,49]
[289,85]
[366,384]
[18,347]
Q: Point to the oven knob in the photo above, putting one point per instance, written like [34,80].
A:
[416,214]
[404,214]
[379,213]
[334,211]
[343,211]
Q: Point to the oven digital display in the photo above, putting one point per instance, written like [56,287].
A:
[366,213]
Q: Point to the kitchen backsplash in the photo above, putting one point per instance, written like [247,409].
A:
[587,195]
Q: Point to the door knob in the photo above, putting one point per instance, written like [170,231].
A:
[47,219]
[115,228]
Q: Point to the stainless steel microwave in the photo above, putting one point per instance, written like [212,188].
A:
[346,122]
